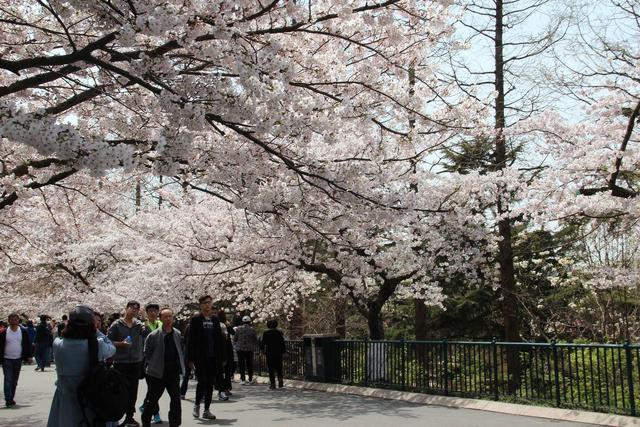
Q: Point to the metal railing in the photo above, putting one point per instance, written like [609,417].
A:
[597,377]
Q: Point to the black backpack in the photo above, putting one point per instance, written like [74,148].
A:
[104,392]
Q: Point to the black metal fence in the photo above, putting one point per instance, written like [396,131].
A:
[598,377]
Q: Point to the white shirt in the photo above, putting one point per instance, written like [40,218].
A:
[13,345]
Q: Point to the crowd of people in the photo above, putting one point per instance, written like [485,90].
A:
[139,346]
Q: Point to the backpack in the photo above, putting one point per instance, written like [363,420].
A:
[104,392]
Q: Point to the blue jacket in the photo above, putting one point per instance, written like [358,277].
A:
[72,367]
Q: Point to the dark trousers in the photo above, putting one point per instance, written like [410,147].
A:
[132,372]
[227,376]
[206,374]
[155,387]
[245,362]
[185,381]
[11,370]
[274,364]
[41,353]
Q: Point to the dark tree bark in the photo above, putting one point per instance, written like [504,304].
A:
[374,321]
[420,320]
[505,247]
[340,318]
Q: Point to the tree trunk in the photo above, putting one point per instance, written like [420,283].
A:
[505,249]
[421,320]
[374,322]
[160,195]
[138,196]
[340,318]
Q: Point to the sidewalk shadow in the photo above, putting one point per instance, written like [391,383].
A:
[219,422]
[28,421]
[339,407]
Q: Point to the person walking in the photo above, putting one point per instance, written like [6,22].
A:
[31,330]
[53,327]
[224,386]
[152,323]
[205,352]
[71,352]
[42,343]
[188,371]
[273,346]
[126,335]
[246,339]
[220,377]
[101,335]
[164,362]
[61,325]
[15,348]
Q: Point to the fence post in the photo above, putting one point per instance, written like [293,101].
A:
[445,371]
[629,357]
[494,348]
[403,363]
[556,374]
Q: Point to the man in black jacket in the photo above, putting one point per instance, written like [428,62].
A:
[43,342]
[15,347]
[273,346]
[205,352]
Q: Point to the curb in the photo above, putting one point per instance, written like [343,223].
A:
[585,417]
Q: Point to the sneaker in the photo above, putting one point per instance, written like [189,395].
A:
[130,422]
[272,387]
[10,403]
[196,411]
[208,415]
[156,419]
[228,393]
[222,396]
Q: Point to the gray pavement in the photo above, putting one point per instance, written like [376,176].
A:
[256,405]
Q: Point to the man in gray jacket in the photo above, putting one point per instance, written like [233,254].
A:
[245,339]
[164,362]
[126,335]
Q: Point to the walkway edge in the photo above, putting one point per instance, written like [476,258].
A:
[586,417]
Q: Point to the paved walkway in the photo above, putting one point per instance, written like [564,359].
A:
[257,406]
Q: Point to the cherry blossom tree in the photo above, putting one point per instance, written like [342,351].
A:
[225,95]
[280,109]
[591,156]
